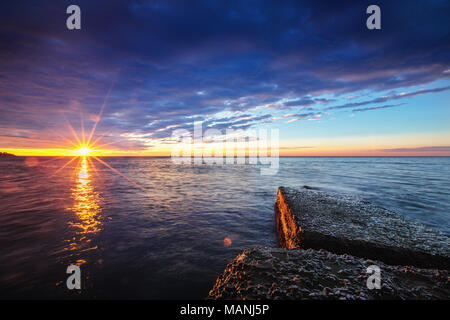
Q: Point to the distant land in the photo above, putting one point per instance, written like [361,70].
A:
[6,154]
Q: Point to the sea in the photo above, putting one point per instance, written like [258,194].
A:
[147,228]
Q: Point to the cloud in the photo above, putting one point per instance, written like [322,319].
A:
[241,55]
[306,101]
[296,147]
[389,98]
[420,149]
[378,107]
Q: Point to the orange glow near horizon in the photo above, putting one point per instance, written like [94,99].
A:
[166,152]
[84,149]
[377,145]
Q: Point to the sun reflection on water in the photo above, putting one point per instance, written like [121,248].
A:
[87,206]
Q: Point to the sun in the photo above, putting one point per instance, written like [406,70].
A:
[84,151]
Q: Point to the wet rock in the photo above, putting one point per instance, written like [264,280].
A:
[300,274]
[346,225]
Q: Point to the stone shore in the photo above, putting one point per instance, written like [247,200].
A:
[346,225]
[327,242]
[277,273]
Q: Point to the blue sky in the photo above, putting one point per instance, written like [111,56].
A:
[309,68]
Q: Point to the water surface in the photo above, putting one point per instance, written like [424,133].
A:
[159,230]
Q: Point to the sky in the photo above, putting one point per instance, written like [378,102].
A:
[138,70]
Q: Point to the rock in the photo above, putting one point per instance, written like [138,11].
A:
[312,274]
[346,225]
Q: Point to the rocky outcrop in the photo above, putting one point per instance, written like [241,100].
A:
[276,273]
[345,225]
[328,241]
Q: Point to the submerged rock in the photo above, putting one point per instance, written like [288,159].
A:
[276,273]
[345,225]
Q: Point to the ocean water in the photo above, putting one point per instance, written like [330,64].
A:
[155,230]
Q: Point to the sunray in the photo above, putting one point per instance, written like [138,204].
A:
[49,160]
[73,131]
[110,143]
[82,129]
[67,163]
[89,144]
[98,139]
[97,120]
[63,138]
[122,175]
[77,166]
[91,163]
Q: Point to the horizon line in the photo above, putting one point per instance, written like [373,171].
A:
[293,156]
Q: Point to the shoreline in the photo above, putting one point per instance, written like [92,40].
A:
[327,243]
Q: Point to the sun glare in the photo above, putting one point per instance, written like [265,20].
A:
[84,151]
[86,148]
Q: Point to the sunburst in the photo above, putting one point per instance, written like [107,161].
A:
[85,147]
